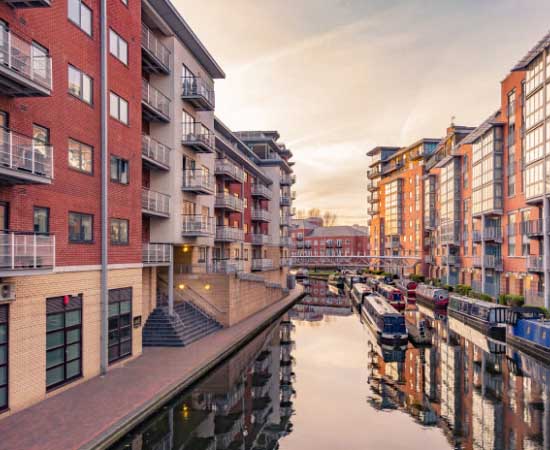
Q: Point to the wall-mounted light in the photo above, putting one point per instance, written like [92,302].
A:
[185,249]
[181,286]
[207,287]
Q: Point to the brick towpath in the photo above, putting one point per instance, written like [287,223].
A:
[85,416]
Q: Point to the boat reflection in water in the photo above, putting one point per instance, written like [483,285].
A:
[247,403]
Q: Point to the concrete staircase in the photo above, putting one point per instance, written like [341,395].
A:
[187,325]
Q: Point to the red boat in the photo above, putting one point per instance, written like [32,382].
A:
[408,288]
[393,295]
[432,296]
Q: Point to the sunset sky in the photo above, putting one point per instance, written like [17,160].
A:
[337,77]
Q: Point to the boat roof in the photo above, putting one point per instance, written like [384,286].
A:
[384,285]
[361,287]
[538,322]
[381,305]
[475,301]
[429,287]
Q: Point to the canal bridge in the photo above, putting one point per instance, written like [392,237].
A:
[355,261]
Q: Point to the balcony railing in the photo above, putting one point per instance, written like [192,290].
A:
[286,262]
[286,180]
[260,239]
[493,262]
[28,3]
[198,137]
[533,228]
[227,266]
[260,190]
[262,264]
[197,225]
[429,259]
[157,254]
[22,252]
[25,69]
[286,241]
[293,195]
[285,200]
[534,298]
[199,93]
[451,260]
[372,186]
[156,105]
[286,220]
[24,160]
[229,234]
[373,210]
[198,181]
[535,263]
[373,173]
[156,56]
[155,153]
[227,168]
[260,215]
[228,201]
[155,203]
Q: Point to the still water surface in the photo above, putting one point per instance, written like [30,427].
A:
[318,380]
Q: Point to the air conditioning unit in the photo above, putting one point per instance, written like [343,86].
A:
[7,291]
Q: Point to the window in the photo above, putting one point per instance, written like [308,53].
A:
[118,108]
[81,16]
[118,47]
[119,231]
[4,357]
[119,170]
[120,323]
[41,220]
[63,340]
[80,85]
[80,227]
[80,156]
[202,254]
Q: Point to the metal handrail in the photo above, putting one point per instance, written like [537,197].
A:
[153,97]
[153,44]
[153,149]
[26,250]
[25,154]
[194,86]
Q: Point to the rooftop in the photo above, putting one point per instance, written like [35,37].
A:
[533,53]
[340,230]
[490,122]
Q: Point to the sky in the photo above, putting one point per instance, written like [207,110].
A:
[338,77]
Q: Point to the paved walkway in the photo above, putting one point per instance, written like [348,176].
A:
[85,416]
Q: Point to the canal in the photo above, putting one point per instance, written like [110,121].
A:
[317,379]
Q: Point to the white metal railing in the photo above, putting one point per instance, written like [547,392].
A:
[224,200]
[261,190]
[154,150]
[24,154]
[286,180]
[286,220]
[193,86]
[26,251]
[262,264]
[25,58]
[229,234]
[260,239]
[156,253]
[198,179]
[227,265]
[260,214]
[150,42]
[154,201]
[196,224]
[286,241]
[226,167]
[535,262]
[154,98]
[196,133]
[285,200]
[286,262]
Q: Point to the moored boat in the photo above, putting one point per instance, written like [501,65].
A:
[392,295]
[432,296]
[337,280]
[408,289]
[350,280]
[529,332]
[487,317]
[359,292]
[385,321]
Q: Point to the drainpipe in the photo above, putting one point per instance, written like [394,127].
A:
[546,250]
[483,253]
[171,283]
[104,294]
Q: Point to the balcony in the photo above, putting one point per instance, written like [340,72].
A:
[196,225]
[286,220]
[198,137]
[155,155]
[285,200]
[28,3]
[260,239]
[23,160]
[260,215]
[199,93]
[533,228]
[229,234]
[24,253]
[229,202]
[155,56]
[286,241]
[198,181]
[534,298]
[450,260]
[259,265]
[155,105]
[535,263]
[226,168]
[429,259]
[293,195]
[392,166]
[261,191]
[493,262]
[287,179]
[227,266]
[154,203]
[373,173]
[374,197]
[156,254]
[373,210]
[372,186]
[25,70]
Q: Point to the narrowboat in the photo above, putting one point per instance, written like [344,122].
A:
[359,292]
[385,321]
[351,280]
[432,297]
[392,295]
[337,280]
[373,283]
[529,332]
[301,274]
[408,289]
[486,317]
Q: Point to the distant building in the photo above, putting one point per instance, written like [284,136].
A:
[343,240]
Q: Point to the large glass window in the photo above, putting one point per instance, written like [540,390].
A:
[80,15]
[120,323]
[41,220]
[118,47]
[119,170]
[63,340]
[119,231]
[80,85]
[534,109]
[80,227]
[118,108]
[4,357]
[80,156]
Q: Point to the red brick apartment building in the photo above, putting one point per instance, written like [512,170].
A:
[484,200]
[188,201]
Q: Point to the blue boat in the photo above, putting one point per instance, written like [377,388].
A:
[385,321]
[486,317]
[529,332]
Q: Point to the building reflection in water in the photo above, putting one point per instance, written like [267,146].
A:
[322,300]
[480,393]
[247,403]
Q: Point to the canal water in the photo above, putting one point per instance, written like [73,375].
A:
[317,379]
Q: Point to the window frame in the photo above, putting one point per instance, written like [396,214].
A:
[118,221]
[117,178]
[119,99]
[80,145]
[119,38]
[81,241]
[43,208]
[79,23]
[7,363]
[113,300]
[82,75]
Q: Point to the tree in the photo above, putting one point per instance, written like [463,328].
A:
[314,212]
[329,219]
